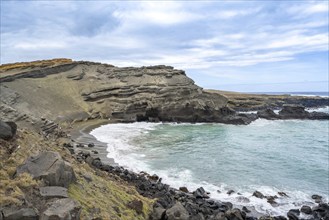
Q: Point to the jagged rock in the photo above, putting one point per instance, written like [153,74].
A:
[50,167]
[267,114]
[53,192]
[283,194]
[62,209]
[258,194]
[177,212]
[17,214]
[183,189]
[7,130]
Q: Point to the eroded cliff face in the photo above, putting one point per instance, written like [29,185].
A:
[85,90]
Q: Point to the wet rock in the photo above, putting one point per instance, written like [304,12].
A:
[293,112]
[154,177]
[23,213]
[321,210]
[230,192]
[245,209]
[49,167]
[293,214]
[62,209]
[183,189]
[7,130]
[283,194]
[319,116]
[136,205]
[177,212]
[267,114]
[317,198]
[200,193]
[53,192]
[271,200]
[258,194]
[306,209]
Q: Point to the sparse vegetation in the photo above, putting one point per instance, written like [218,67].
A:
[33,64]
[104,196]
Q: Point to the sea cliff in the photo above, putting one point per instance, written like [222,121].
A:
[48,99]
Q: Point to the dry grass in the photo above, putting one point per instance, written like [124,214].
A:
[33,64]
[105,196]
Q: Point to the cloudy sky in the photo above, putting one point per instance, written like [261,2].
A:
[250,46]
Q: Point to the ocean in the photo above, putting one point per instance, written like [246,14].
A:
[321,94]
[269,156]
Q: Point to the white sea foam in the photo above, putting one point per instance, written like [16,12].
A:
[119,140]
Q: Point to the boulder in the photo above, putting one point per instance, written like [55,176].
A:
[183,189]
[62,209]
[234,214]
[293,214]
[136,205]
[53,192]
[306,209]
[177,212]
[258,194]
[158,213]
[49,167]
[23,213]
[7,130]
[267,114]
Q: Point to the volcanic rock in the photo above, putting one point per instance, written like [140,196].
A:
[50,167]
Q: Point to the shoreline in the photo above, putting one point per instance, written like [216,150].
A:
[82,132]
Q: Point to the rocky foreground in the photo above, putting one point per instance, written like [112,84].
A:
[44,176]
[48,185]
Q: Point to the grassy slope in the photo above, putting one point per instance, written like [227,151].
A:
[106,196]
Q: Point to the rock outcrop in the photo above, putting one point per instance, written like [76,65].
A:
[62,209]
[7,130]
[49,167]
[87,90]
[292,112]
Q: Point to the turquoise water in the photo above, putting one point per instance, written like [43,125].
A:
[269,156]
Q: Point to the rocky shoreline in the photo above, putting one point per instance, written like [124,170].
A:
[49,99]
[191,205]
[181,204]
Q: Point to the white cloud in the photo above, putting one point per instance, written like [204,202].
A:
[308,8]
[40,45]
[163,13]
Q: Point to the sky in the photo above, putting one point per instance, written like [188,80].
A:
[246,46]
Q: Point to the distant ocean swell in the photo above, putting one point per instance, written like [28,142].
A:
[268,156]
